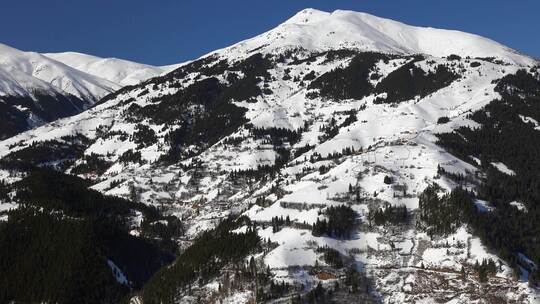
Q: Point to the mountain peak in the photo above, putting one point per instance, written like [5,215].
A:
[317,30]
[306,16]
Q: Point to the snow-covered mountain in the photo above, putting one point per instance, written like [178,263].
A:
[37,88]
[72,81]
[345,141]
[316,30]
[121,72]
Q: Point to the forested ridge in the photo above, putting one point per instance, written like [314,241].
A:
[58,244]
[505,136]
[203,260]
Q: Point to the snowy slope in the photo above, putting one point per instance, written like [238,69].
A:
[71,81]
[121,72]
[84,76]
[37,88]
[317,30]
[17,83]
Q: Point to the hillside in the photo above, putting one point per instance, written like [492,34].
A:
[39,88]
[337,157]
[121,72]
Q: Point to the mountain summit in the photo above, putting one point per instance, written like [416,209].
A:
[316,30]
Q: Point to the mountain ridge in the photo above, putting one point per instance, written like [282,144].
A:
[63,77]
[38,88]
[120,71]
[392,36]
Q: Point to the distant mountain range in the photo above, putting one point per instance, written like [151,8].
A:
[38,88]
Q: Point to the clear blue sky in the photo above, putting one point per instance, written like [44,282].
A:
[170,31]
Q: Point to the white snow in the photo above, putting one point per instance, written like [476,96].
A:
[7,206]
[119,71]
[118,274]
[519,205]
[482,206]
[239,298]
[85,76]
[34,69]
[503,168]
[531,120]
[317,30]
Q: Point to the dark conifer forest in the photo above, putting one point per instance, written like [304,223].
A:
[56,247]
[505,137]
